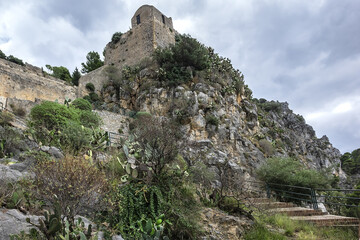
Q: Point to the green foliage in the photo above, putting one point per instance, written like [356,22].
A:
[52,115]
[350,162]
[291,172]
[259,231]
[2,55]
[90,87]
[93,62]
[212,120]
[82,104]
[278,226]
[67,127]
[116,37]
[16,60]
[50,225]
[177,62]
[78,231]
[60,72]
[270,106]
[76,75]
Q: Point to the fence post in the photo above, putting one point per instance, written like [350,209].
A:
[313,199]
[267,190]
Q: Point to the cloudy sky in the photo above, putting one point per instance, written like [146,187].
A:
[304,52]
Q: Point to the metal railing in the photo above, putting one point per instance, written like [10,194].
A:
[335,200]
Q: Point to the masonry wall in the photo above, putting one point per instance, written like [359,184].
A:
[134,46]
[29,83]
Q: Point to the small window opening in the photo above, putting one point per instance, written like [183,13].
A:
[163,19]
[138,19]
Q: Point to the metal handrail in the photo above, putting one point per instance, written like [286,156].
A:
[290,192]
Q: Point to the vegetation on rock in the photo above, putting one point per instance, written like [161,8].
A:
[93,62]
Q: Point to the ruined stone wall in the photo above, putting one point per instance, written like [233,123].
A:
[97,77]
[30,83]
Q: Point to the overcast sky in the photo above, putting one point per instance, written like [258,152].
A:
[304,52]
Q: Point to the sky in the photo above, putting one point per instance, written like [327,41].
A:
[306,53]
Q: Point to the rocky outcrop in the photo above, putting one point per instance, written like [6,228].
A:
[219,225]
[242,130]
[13,222]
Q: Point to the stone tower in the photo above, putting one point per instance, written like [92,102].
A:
[150,29]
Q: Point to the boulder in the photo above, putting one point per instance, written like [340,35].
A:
[13,221]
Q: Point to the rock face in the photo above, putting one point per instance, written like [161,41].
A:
[238,129]
[13,222]
[219,225]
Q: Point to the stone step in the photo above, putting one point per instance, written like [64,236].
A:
[328,220]
[258,200]
[297,211]
[270,205]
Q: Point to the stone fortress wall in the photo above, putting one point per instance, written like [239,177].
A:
[29,84]
[150,29]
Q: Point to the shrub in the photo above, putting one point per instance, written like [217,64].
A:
[90,119]
[211,119]
[68,127]
[2,55]
[72,182]
[6,118]
[51,115]
[266,147]
[178,61]
[82,104]
[74,138]
[90,87]
[116,37]
[292,172]
[94,97]
[16,60]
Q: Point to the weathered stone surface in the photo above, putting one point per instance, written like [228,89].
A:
[10,175]
[13,222]
[219,225]
[30,83]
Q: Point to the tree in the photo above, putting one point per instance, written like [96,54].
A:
[76,76]
[93,62]
[60,72]
[2,55]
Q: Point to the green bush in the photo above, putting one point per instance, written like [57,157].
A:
[62,126]
[291,172]
[16,60]
[90,87]
[211,119]
[52,115]
[178,61]
[90,119]
[2,55]
[82,104]
[116,37]
[74,137]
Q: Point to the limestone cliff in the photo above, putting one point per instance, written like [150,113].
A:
[223,125]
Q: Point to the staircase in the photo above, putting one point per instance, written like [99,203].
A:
[316,217]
